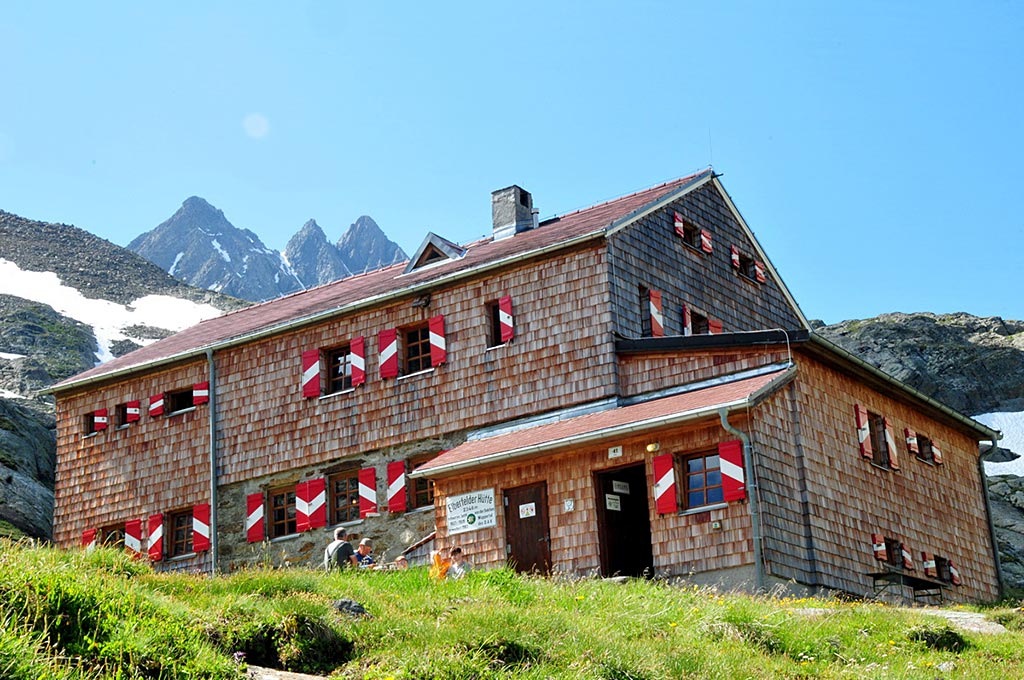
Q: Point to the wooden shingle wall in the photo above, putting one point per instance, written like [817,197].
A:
[158,464]
[934,508]
[561,355]
[651,254]
[682,543]
[640,373]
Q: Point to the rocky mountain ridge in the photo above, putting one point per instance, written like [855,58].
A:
[199,245]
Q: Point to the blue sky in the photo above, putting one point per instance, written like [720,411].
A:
[873,147]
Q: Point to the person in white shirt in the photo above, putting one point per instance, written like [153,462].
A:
[460,566]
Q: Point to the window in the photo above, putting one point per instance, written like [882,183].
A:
[942,570]
[180,542]
[494,325]
[690,235]
[699,323]
[879,445]
[179,400]
[893,553]
[343,489]
[121,416]
[645,312]
[339,369]
[703,480]
[89,425]
[421,491]
[111,536]
[417,349]
[282,512]
[746,267]
[925,451]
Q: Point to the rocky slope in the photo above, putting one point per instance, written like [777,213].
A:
[364,246]
[40,345]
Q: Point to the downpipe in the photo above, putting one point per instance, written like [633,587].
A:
[991,525]
[751,483]
[214,542]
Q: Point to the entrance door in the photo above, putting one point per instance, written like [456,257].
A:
[526,528]
[624,522]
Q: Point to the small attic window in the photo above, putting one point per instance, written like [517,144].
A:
[434,250]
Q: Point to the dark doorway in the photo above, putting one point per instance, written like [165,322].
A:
[526,528]
[623,521]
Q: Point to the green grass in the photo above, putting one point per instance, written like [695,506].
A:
[69,615]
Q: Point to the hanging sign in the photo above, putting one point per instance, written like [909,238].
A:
[470,511]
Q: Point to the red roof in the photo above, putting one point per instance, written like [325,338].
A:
[363,287]
[603,424]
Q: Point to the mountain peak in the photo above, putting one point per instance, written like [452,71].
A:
[364,246]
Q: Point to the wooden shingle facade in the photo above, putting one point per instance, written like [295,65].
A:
[627,389]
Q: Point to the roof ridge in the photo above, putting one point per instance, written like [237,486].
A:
[664,185]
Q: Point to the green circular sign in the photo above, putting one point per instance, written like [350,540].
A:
[471,518]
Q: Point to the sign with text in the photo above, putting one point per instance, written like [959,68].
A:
[470,511]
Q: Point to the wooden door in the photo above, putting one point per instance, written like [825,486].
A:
[526,528]
[624,521]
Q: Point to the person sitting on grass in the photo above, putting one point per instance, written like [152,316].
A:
[459,566]
[363,557]
[339,553]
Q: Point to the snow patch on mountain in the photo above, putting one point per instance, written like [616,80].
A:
[174,265]
[107,319]
[223,253]
[1011,424]
[10,356]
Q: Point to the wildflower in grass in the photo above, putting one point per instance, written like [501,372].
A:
[673,624]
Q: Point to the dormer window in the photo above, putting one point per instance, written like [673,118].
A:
[433,251]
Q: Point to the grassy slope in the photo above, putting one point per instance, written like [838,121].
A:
[72,615]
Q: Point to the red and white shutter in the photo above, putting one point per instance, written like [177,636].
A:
[954,574]
[99,419]
[89,539]
[863,432]
[387,340]
[156,405]
[936,454]
[132,411]
[890,442]
[687,321]
[396,486]
[367,491]
[357,357]
[254,517]
[734,256]
[657,318]
[679,224]
[133,536]
[665,498]
[438,346]
[156,537]
[311,373]
[911,438]
[730,459]
[759,272]
[928,562]
[200,393]
[505,320]
[705,240]
[714,327]
[310,505]
[201,527]
[878,547]
[907,557]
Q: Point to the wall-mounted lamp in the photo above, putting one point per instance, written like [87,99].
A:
[653,446]
[422,301]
